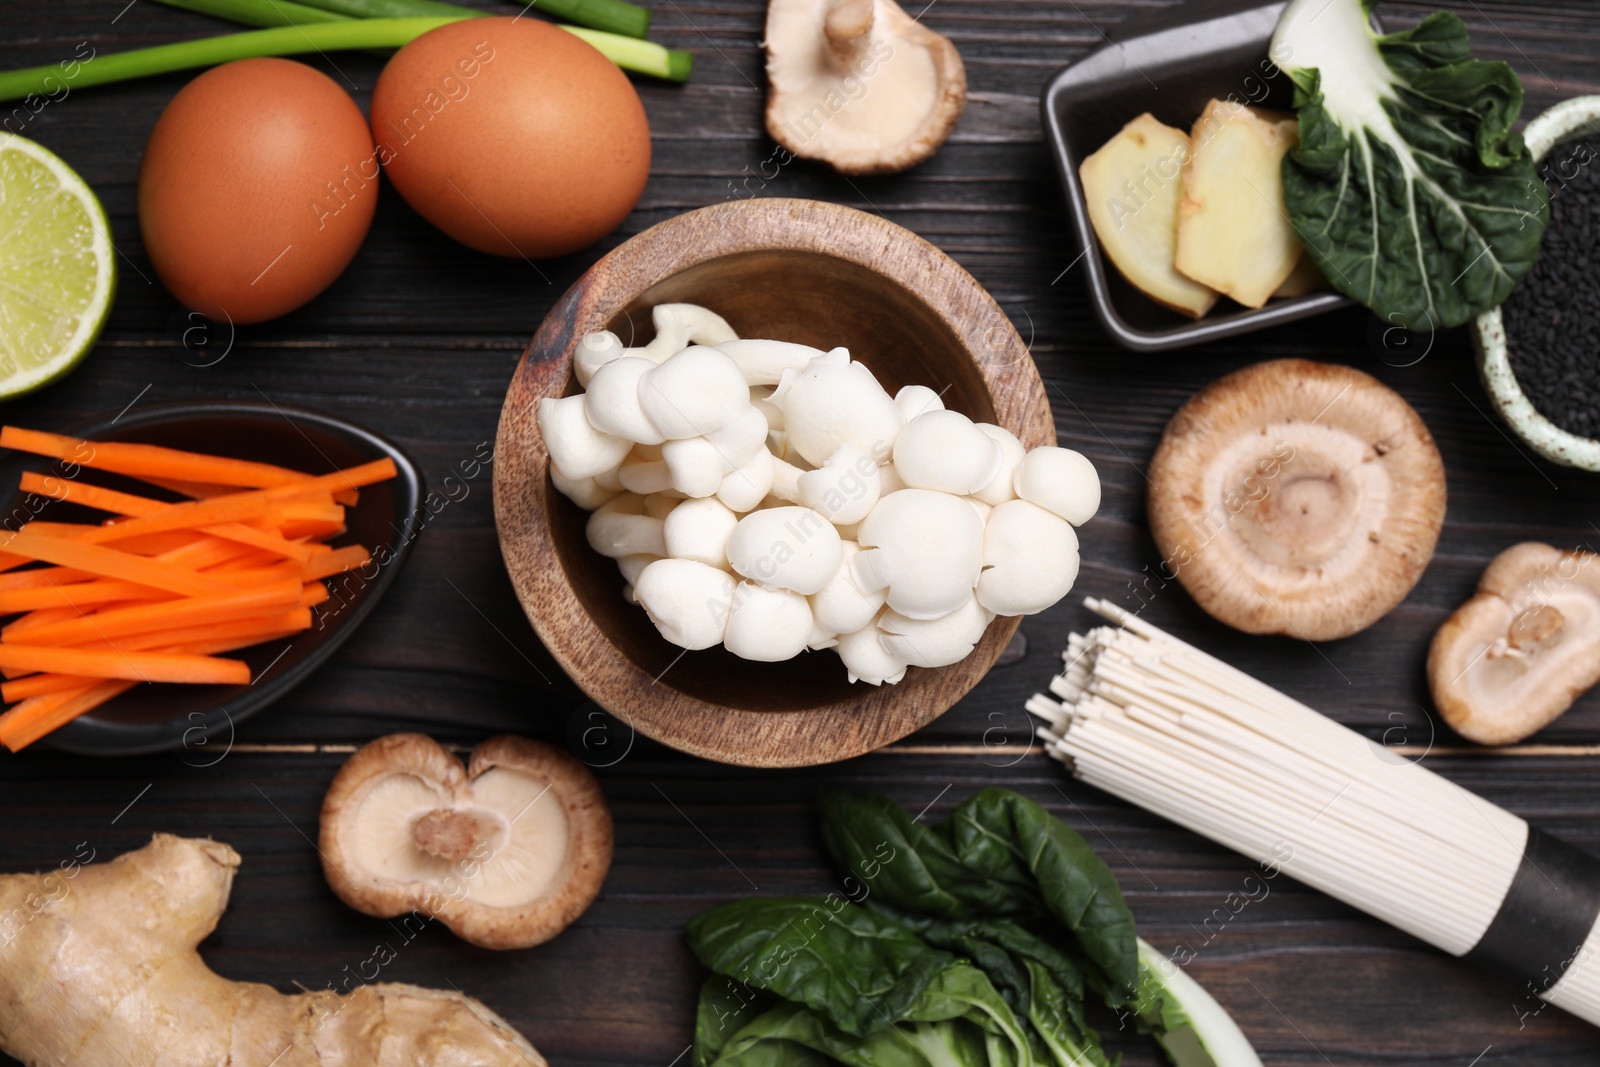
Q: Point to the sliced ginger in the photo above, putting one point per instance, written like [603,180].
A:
[1233,232]
[1132,186]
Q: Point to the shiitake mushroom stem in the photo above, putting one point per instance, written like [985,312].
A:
[449,835]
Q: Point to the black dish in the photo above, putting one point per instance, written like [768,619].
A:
[1170,66]
[154,718]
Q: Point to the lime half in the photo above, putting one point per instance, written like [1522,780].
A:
[57,267]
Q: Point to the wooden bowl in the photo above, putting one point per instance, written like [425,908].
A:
[795,270]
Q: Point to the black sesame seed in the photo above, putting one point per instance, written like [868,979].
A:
[1552,319]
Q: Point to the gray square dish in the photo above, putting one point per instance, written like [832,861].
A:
[1169,65]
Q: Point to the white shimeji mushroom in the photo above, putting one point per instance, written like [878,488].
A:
[695,466]
[1060,480]
[594,351]
[587,493]
[621,527]
[742,438]
[699,530]
[1001,487]
[914,400]
[745,488]
[1030,559]
[768,625]
[644,471]
[944,451]
[761,400]
[680,325]
[832,402]
[612,401]
[865,658]
[687,600]
[935,642]
[925,547]
[842,606]
[790,548]
[695,392]
[763,362]
[844,488]
[576,448]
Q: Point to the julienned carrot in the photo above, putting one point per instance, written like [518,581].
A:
[140,460]
[236,507]
[134,666]
[203,490]
[144,461]
[90,496]
[119,503]
[164,615]
[30,725]
[77,595]
[312,594]
[248,631]
[336,562]
[42,576]
[111,563]
[38,685]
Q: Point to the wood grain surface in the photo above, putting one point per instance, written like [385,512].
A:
[419,340]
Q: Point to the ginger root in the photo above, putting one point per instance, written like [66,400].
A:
[102,971]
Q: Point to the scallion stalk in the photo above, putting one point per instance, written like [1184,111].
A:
[315,35]
[210,51]
[261,13]
[609,16]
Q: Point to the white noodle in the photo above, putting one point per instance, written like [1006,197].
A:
[1151,719]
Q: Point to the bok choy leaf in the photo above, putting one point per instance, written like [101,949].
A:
[1409,189]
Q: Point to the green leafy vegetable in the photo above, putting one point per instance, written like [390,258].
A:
[973,943]
[998,853]
[1409,189]
[857,968]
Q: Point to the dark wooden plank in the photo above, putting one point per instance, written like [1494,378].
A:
[419,339]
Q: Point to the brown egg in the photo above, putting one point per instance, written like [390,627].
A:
[257,187]
[512,136]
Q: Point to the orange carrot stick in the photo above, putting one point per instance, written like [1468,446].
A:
[42,576]
[167,614]
[312,594]
[336,562]
[134,666]
[37,685]
[118,503]
[146,461]
[143,461]
[235,507]
[193,490]
[78,595]
[34,723]
[111,563]
[247,631]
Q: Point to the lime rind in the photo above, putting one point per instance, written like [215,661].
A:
[57,267]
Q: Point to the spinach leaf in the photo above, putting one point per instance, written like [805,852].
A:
[958,1021]
[1006,837]
[1408,188]
[880,849]
[858,969]
[725,1007]
[1069,1039]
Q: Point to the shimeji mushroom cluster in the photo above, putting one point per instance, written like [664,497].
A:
[771,497]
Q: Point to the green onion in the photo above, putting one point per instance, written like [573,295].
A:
[642,57]
[611,16]
[210,51]
[257,13]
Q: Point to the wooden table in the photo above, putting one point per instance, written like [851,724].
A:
[418,341]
